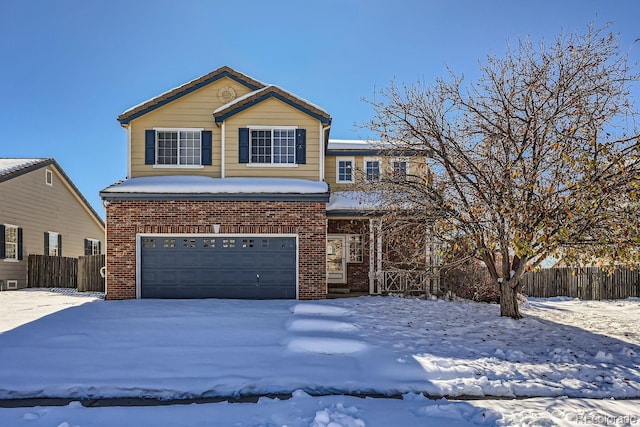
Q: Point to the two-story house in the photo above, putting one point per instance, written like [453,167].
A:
[228,196]
[42,213]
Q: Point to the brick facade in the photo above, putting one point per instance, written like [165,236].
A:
[357,273]
[126,218]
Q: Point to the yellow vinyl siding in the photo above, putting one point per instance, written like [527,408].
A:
[272,112]
[194,110]
[29,203]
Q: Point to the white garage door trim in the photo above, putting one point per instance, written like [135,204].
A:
[140,236]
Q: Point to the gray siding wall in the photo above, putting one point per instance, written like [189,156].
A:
[28,202]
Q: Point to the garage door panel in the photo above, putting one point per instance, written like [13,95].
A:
[218,267]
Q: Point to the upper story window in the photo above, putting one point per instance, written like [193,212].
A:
[180,147]
[372,169]
[344,170]
[185,148]
[399,169]
[48,177]
[273,146]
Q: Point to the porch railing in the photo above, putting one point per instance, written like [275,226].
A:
[407,282]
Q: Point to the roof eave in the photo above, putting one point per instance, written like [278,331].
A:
[159,101]
[216,197]
[222,115]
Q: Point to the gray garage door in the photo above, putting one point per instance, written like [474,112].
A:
[218,267]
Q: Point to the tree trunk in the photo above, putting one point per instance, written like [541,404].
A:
[509,300]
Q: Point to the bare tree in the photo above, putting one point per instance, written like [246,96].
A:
[539,157]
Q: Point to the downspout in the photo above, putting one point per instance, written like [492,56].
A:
[129,150]
[322,142]
[222,145]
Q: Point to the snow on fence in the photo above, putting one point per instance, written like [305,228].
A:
[64,272]
[587,283]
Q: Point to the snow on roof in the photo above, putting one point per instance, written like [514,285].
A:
[354,201]
[207,185]
[11,165]
[239,99]
[354,144]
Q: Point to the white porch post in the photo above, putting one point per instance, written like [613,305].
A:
[372,281]
[379,248]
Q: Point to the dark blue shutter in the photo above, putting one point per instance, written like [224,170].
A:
[99,247]
[46,243]
[206,148]
[59,244]
[243,145]
[2,246]
[301,146]
[149,147]
[19,244]
[87,247]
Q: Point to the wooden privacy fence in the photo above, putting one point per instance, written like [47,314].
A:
[589,283]
[52,272]
[63,272]
[89,277]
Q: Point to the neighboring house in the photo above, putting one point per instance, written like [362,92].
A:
[227,196]
[42,212]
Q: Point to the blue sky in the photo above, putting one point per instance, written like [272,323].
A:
[68,68]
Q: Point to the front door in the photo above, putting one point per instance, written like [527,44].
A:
[336,259]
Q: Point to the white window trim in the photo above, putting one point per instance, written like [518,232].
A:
[353,169]
[92,243]
[364,168]
[271,165]
[12,284]
[48,177]
[178,166]
[5,242]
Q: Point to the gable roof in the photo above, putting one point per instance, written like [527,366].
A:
[13,168]
[243,102]
[187,88]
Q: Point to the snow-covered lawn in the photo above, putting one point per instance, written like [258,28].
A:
[55,345]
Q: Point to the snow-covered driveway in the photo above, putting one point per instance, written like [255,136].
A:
[79,347]
[185,348]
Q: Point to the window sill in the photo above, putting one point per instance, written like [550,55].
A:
[345,182]
[178,167]
[272,165]
[11,260]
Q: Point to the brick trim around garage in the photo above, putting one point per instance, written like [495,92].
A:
[127,218]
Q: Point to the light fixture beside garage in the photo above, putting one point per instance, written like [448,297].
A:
[216,228]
